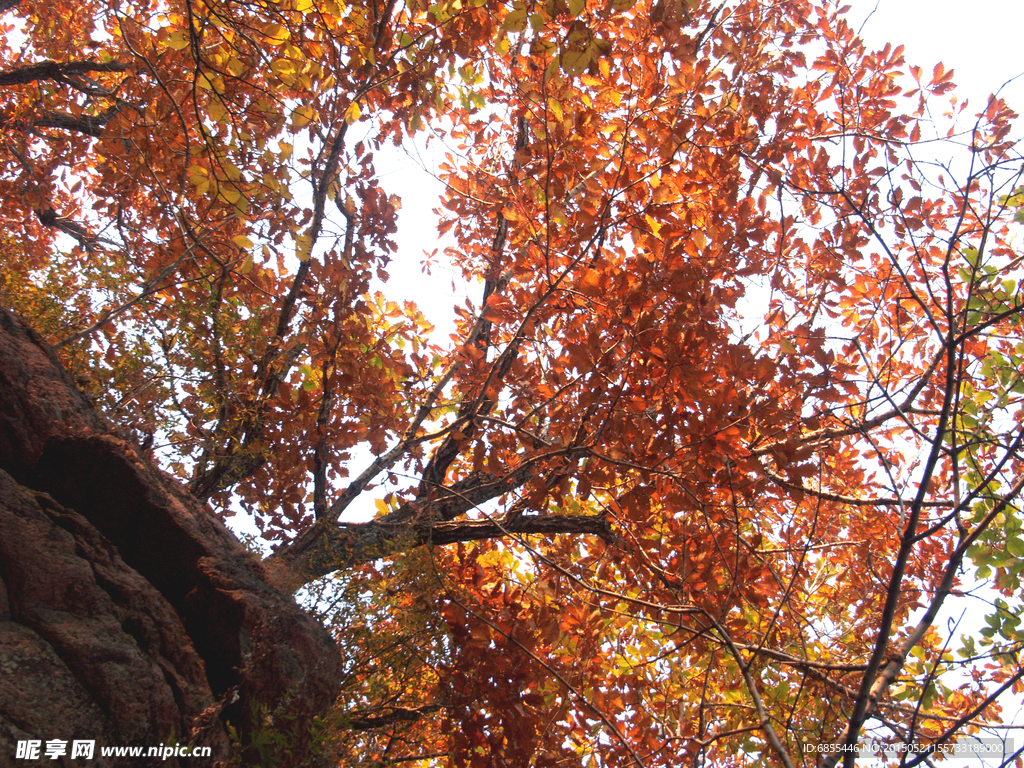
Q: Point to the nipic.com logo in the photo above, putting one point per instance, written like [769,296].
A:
[85,749]
[54,748]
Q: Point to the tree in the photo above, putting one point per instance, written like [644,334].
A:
[624,520]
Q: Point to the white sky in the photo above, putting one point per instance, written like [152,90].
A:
[980,40]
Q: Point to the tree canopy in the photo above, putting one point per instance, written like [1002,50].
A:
[733,408]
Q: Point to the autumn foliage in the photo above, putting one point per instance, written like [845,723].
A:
[732,409]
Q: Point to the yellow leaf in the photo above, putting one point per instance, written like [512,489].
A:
[304,6]
[246,266]
[178,41]
[242,241]
[284,69]
[556,108]
[303,116]
[303,246]
[198,178]
[217,112]
[210,82]
[275,34]
[229,194]
[381,506]
[353,112]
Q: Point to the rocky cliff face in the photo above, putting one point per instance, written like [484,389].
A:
[128,615]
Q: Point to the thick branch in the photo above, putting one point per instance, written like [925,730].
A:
[544,525]
[448,502]
[55,70]
[90,125]
[322,550]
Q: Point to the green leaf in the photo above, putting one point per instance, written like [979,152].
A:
[1015,547]
[517,20]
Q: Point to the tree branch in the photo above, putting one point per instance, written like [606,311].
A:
[89,125]
[320,550]
[57,71]
[394,715]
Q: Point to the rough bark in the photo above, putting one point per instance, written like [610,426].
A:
[328,547]
[128,614]
[61,72]
[90,125]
